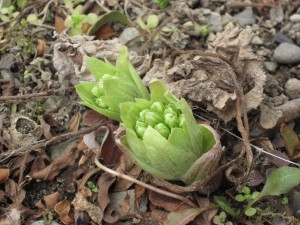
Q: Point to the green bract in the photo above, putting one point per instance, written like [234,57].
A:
[164,139]
[113,85]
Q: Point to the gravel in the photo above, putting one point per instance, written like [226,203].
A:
[287,53]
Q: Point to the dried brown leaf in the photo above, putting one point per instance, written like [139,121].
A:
[4,174]
[81,204]
[13,217]
[59,24]
[74,123]
[104,183]
[291,140]
[49,172]
[14,192]
[169,204]
[51,200]
[41,47]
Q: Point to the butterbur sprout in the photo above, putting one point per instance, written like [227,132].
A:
[164,139]
[113,85]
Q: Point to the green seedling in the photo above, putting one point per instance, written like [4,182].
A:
[162,3]
[76,21]
[92,187]
[8,13]
[152,22]
[203,30]
[33,19]
[221,219]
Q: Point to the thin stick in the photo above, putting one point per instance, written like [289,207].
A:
[29,96]
[131,179]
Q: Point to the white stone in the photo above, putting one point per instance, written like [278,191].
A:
[295,18]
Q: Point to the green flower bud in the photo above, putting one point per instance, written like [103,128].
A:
[171,120]
[143,114]
[140,128]
[163,130]
[99,102]
[152,118]
[171,109]
[158,107]
[98,89]
[181,121]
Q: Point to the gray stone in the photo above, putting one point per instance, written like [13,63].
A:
[206,11]
[287,53]
[296,27]
[257,40]
[292,88]
[128,34]
[215,22]
[280,38]
[276,14]
[271,66]
[295,18]
[245,17]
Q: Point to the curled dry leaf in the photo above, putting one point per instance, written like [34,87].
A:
[12,217]
[70,55]
[59,24]
[291,141]
[211,77]
[273,116]
[12,190]
[74,123]
[51,200]
[4,174]
[41,47]
[104,183]
[62,208]
[169,204]
[51,171]
[81,204]
[24,131]
[125,203]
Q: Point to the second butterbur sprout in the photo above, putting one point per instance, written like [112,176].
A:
[160,116]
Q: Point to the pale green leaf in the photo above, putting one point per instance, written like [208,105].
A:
[166,157]
[281,181]
[195,134]
[225,205]
[98,68]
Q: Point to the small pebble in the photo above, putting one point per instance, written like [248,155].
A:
[206,11]
[296,27]
[211,37]
[295,18]
[280,38]
[229,26]
[271,66]
[257,40]
[245,17]
[128,34]
[215,22]
[292,88]
[255,27]
[287,53]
